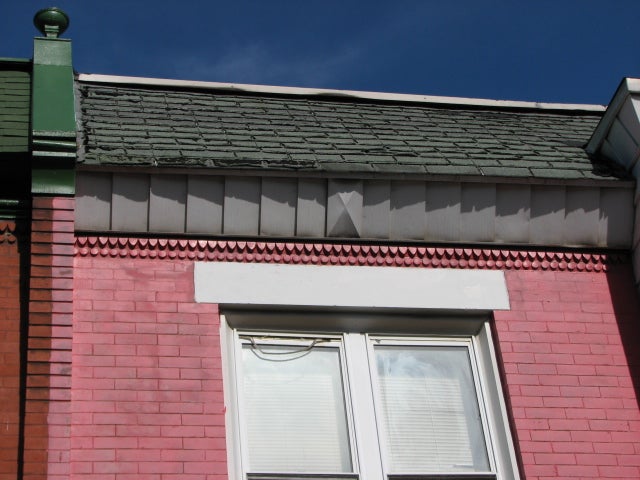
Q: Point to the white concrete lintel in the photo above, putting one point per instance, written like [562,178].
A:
[247,284]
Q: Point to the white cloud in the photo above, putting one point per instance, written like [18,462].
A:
[256,64]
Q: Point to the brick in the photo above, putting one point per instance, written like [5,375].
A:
[577,471]
[569,424]
[163,443]
[618,448]
[618,472]
[545,412]
[623,414]
[576,369]
[159,373]
[160,467]
[562,402]
[544,391]
[609,425]
[550,436]
[205,467]
[572,447]
[180,455]
[139,455]
[114,468]
[561,380]
[129,430]
[183,431]
[599,381]
[555,458]
[580,391]
[533,471]
[628,460]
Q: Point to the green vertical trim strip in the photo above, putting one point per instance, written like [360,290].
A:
[53,118]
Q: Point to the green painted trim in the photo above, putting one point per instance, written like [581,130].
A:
[52,99]
[51,21]
[11,209]
[55,181]
[15,60]
[53,122]
[52,51]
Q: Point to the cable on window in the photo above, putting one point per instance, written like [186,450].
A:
[263,355]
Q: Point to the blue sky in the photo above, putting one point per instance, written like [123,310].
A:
[569,51]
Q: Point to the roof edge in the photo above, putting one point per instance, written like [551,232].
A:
[627,87]
[20,63]
[603,182]
[355,94]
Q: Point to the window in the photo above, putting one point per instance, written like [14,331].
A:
[384,398]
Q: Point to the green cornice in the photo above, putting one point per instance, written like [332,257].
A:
[53,133]
[20,61]
[11,209]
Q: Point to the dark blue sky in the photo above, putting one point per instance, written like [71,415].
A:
[569,51]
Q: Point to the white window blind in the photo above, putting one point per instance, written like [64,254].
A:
[430,415]
[295,410]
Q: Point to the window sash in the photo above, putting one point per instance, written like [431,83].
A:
[457,435]
[294,422]
[366,453]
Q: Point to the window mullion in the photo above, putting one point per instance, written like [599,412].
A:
[365,425]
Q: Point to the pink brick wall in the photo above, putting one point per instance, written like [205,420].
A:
[47,416]
[566,345]
[147,390]
[10,305]
[147,377]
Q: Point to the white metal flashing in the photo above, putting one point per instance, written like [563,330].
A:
[380,96]
[246,284]
[627,87]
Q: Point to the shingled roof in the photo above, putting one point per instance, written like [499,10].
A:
[151,126]
[15,102]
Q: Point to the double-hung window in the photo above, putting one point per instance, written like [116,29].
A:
[422,403]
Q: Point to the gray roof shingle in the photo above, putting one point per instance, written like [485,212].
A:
[140,126]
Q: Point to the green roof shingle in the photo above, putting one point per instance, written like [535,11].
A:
[15,97]
[140,126]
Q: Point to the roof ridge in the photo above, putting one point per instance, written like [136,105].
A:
[327,93]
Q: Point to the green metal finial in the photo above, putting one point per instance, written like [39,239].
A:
[51,22]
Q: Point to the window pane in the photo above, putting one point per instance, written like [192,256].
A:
[294,410]
[430,410]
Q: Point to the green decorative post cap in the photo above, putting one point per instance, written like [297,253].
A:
[53,124]
[51,22]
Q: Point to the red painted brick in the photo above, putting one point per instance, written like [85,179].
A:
[555,459]
[534,471]
[544,391]
[577,471]
[562,402]
[619,472]
[560,380]
[183,431]
[526,338]
[160,467]
[588,368]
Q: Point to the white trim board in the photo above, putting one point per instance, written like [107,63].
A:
[323,92]
[349,286]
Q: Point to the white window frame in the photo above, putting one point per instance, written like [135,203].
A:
[288,339]
[356,331]
[428,341]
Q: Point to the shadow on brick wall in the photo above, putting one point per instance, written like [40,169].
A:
[626,306]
